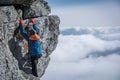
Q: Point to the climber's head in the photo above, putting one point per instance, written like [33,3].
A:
[29,29]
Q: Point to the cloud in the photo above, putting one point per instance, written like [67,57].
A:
[69,61]
[104,14]
[102,68]
[77,47]
[106,33]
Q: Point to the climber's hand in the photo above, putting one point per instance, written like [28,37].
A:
[21,22]
[32,20]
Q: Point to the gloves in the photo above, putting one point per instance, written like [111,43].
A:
[32,20]
[21,22]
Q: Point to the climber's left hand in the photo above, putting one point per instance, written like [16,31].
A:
[32,20]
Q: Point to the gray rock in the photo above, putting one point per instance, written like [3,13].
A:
[9,69]
[37,9]
[11,48]
[8,14]
[22,2]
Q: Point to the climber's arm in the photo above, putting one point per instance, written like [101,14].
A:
[34,26]
[22,30]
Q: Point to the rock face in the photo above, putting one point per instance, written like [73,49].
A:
[12,48]
[23,2]
[38,8]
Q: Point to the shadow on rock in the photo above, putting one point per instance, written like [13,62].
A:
[16,49]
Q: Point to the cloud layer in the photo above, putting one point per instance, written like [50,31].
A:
[69,61]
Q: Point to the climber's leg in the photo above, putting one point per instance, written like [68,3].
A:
[37,57]
[34,66]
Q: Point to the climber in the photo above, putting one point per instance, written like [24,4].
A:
[33,39]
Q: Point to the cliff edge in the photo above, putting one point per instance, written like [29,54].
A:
[12,48]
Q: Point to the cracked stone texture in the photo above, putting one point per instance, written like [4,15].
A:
[23,2]
[11,48]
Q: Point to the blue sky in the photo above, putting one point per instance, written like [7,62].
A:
[58,3]
[86,12]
